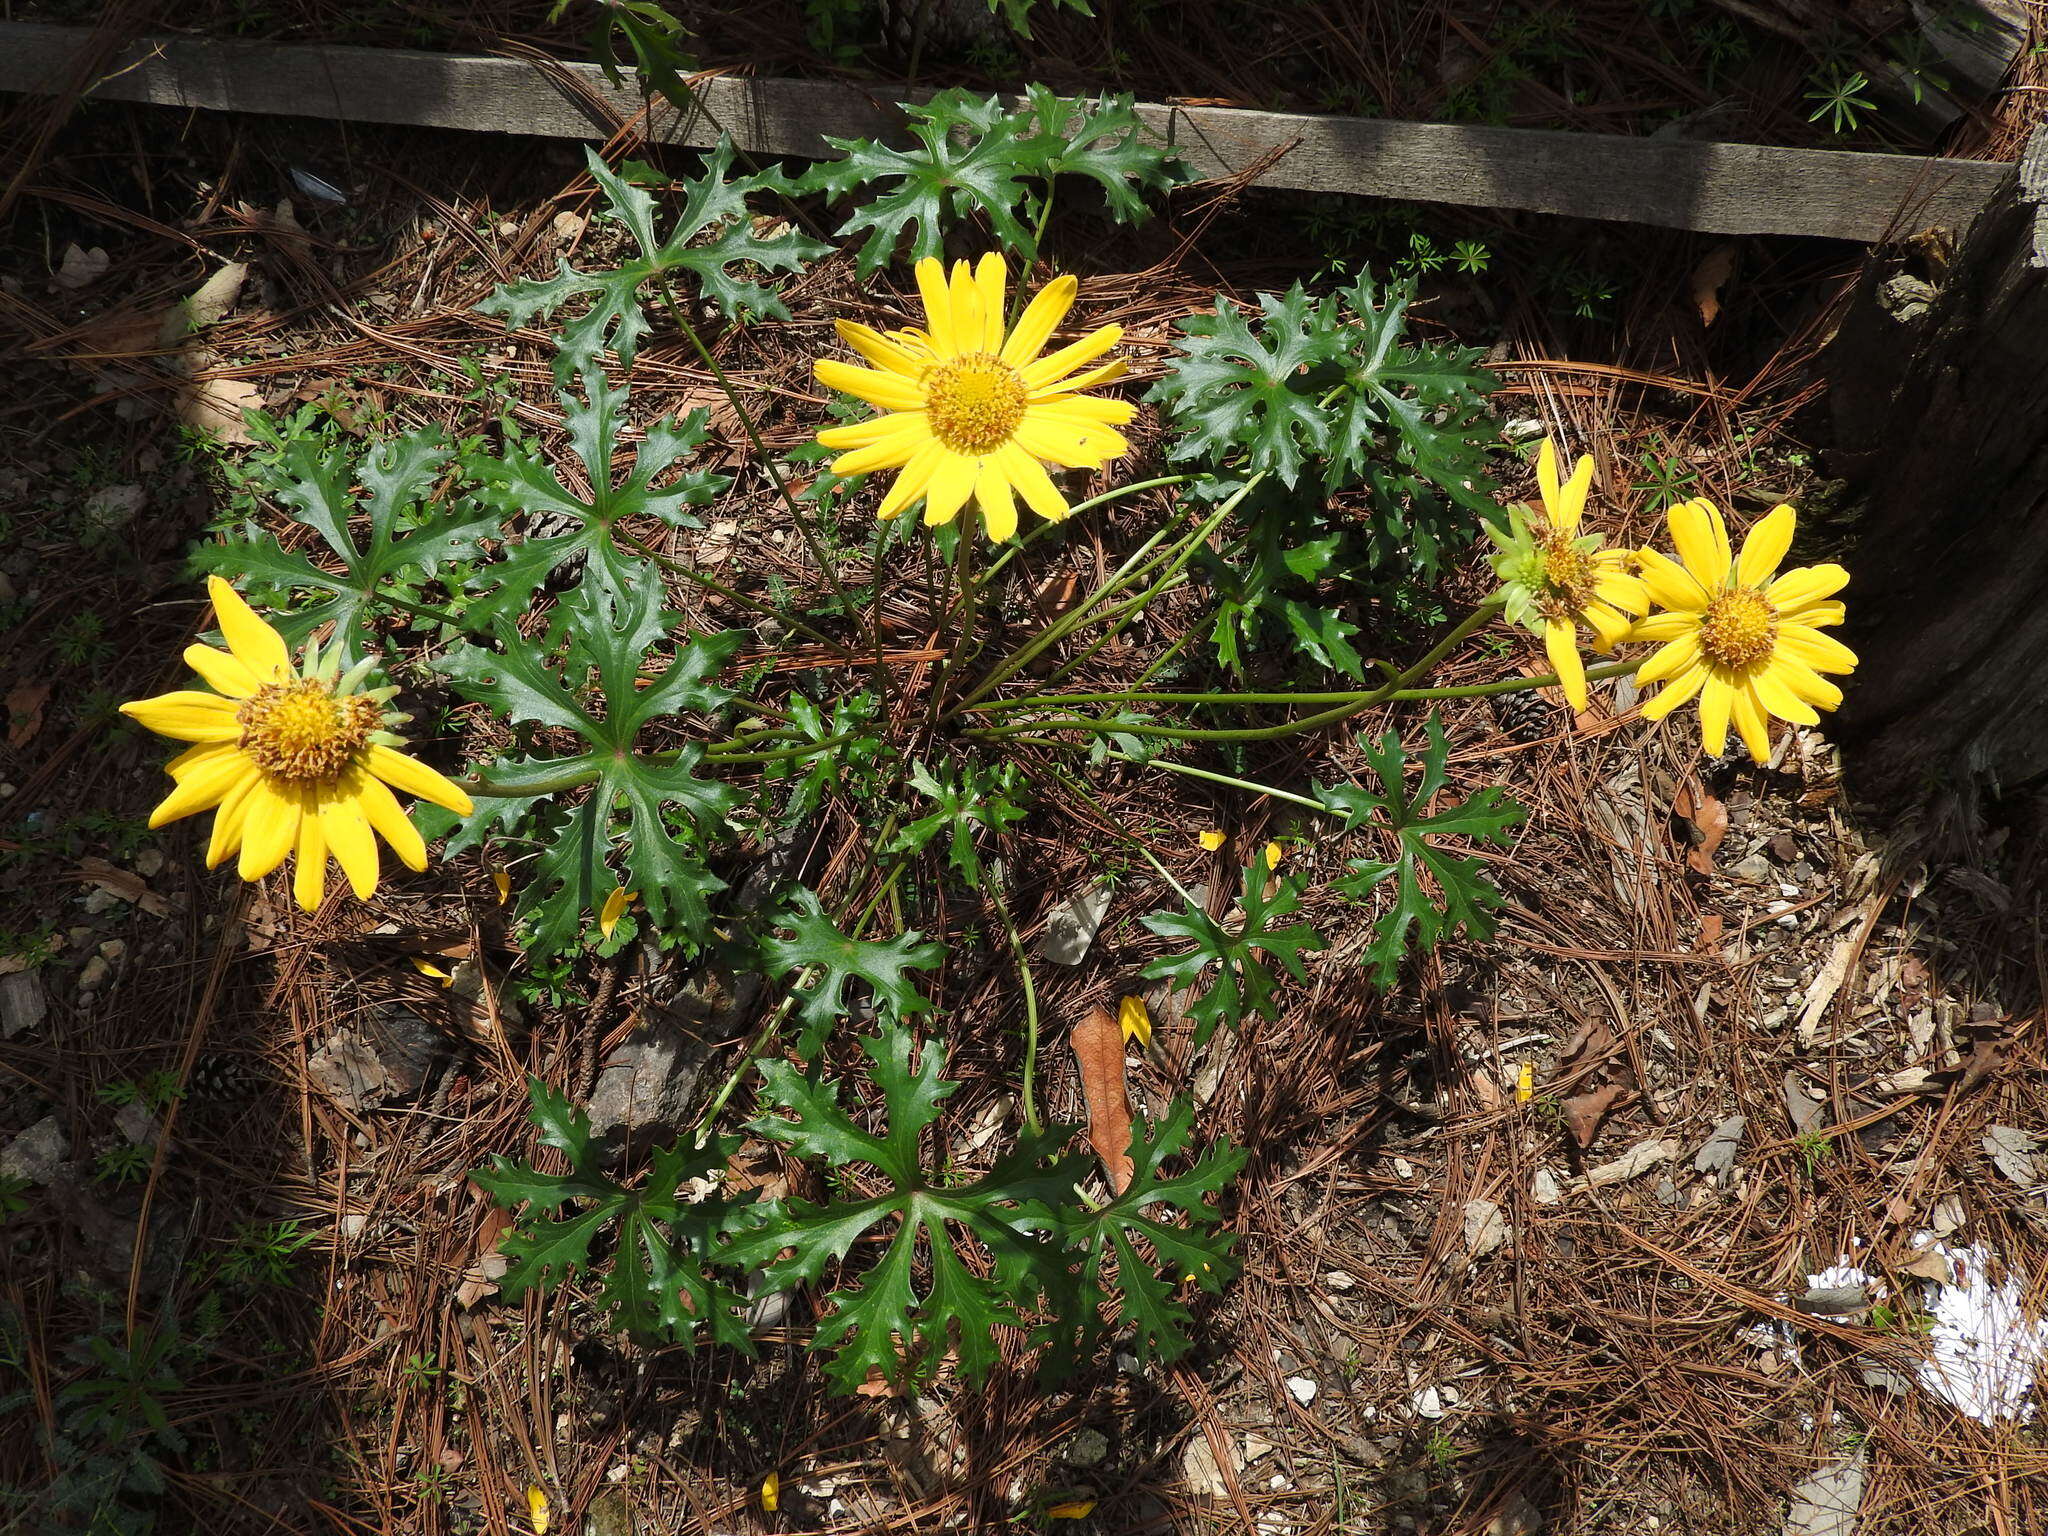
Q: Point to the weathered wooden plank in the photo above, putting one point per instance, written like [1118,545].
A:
[1679,184]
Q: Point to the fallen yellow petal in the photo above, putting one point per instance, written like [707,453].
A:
[1525,1084]
[1212,840]
[614,909]
[1135,1019]
[503,882]
[428,968]
[1072,1509]
[537,1510]
[771,1492]
[1274,854]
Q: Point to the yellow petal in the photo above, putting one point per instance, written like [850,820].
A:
[1029,479]
[347,832]
[1070,388]
[1213,839]
[1040,319]
[309,874]
[1083,410]
[1058,365]
[270,825]
[204,782]
[1621,590]
[1070,1509]
[614,909]
[1135,1020]
[1071,447]
[1701,539]
[1753,725]
[1774,696]
[1805,682]
[968,323]
[1808,584]
[1570,504]
[988,279]
[427,968]
[911,484]
[537,1509]
[187,715]
[1659,627]
[1670,584]
[1764,548]
[890,391]
[222,672]
[388,819]
[861,434]
[416,778]
[1717,698]
[1609,627]
[1676,692]
[952,483]
[1561,645]
[1681,655]
[227,823]
[938,308]
[890,453]
[1823,653]
[1274,854]
[998,506]
[771,1492]
[1813,615]
[1547,485]
[254,643]
[887,355]
[501,882]
[1525,1082]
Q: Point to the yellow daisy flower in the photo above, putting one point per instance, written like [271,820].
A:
[1744,640]
[970,412]
[289,759]
[1554,579]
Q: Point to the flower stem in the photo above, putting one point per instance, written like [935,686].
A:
[1027,1093]
[768,462]
[781,616]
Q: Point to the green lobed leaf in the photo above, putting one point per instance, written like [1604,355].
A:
[1243,981]
[1465,897]
[525,484]
[881,963]
[408,539]
[712,241]
[658,1285]
[973,157]
[654,815]
[968,796]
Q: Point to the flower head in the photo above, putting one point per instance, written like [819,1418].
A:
[968,411]
[1554,579]
[289,759]
[1742,639]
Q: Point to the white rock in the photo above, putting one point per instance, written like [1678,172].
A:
[1544,1188]
[37,1153]
[1336,1280]
[1485,1228]
[1302,1389]
[1199,1470]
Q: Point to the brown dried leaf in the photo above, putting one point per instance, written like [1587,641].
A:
[482,1276]
[1710,277]
[1099,1048]
[218,406]
[1709,818]
[124,883]
[1583,1112]
[25,712]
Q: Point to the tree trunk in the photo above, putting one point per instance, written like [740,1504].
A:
[1941,408]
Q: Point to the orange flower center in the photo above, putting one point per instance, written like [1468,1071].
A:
[1569,575]
[1739,629]
[975,402]
[301,730]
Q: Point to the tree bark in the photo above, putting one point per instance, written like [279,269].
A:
[1946,442]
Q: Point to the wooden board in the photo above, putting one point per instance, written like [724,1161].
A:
[1736,189]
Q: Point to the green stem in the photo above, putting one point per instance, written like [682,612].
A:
[575,778]
[768,461]
[1134,569]
[1039,528]
[1028,1093]
[438,615]
[963,578]
[1250,785]
[677,568]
